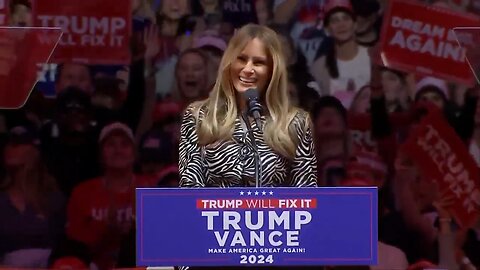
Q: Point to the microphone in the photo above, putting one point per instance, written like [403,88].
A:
[254,106]
[254,110]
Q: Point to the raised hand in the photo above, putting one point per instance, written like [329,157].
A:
[443,203]
[151,41]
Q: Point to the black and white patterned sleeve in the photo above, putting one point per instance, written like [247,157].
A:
[191,167]
[304,165]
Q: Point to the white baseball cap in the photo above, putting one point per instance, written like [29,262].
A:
[116,126]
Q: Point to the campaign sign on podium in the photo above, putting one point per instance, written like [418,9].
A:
[257,226]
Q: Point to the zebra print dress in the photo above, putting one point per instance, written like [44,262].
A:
[232,163]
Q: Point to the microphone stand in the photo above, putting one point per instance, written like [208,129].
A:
[258,161]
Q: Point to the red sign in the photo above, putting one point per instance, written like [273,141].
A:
[20,51]
[419,39]
[469,37]
[94,32]
[360,126]
[442,157]
[257,203]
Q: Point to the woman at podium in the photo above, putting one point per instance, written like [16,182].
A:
[247,133]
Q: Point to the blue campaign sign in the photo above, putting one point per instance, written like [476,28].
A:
[257,226]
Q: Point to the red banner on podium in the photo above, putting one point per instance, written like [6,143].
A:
[21,49]
[418,38]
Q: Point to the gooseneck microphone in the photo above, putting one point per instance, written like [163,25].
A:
[254,106]
[254,109]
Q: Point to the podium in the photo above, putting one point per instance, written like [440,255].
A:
[256,226]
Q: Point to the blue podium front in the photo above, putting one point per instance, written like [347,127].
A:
[257,226]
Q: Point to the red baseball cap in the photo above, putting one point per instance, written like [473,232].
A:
[69,263]
[420,265]
[166,109]
[333,6]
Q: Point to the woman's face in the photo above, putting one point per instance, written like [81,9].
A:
[251,68]
[329,123]
[392,85]
[17,155]
[263,15]
[135,5]
[342,26]
[118,152]
[192,75]
[174,9]
[433,97]
[75,120]
[208,3]
[361,104]
[21,16]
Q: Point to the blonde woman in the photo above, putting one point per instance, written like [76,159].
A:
[215,147]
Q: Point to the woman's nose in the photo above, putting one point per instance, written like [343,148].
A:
[248,68]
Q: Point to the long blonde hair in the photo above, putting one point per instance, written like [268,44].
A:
[37,184]
[219,111]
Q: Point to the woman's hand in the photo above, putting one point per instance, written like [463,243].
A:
[151,42]
[443,203]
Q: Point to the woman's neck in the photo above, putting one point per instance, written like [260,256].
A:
[347,51]
[209,8]
[118,180]
[169,27]
[241,103]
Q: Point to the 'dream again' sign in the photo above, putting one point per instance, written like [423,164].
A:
[419,38]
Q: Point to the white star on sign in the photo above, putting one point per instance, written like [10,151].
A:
[256,193]
[249,193]
[264,193]
[241,193]
[271,193]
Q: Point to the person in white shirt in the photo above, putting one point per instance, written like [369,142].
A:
[347,65]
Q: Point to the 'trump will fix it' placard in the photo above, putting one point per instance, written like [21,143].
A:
[281,226]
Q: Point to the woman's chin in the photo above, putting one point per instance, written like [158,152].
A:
[244,87]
